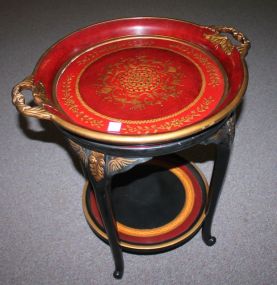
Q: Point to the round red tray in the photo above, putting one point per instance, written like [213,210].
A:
[151,221]
[138,80]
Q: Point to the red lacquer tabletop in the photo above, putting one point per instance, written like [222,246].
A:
[136,86]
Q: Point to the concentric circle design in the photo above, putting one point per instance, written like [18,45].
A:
[133,85]
[147,86]
[153,238]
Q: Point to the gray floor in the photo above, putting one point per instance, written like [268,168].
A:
[44,236]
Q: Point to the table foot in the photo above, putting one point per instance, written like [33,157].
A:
[208,239]
[118,274]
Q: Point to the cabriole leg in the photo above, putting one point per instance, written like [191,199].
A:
[223,141]
[99,169]
[102,191]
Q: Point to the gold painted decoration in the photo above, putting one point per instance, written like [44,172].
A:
[78,150]
[167,126]
[116,46]
[118,163]
[153,89]
[213,75]
[97,165]
[139,82]
[94,61]
[70,101]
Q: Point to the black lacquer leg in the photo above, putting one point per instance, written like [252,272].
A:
[101,168]
[103,198]
[223,142]
[94,166]
[220,166]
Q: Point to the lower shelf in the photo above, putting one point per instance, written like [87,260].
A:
[158,205]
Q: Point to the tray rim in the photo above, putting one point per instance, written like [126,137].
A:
[149,138]
[110,21]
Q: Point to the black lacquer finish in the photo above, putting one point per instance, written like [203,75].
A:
[141,197]
[120,158]
[223,141]
[146,150]
[102,191]
[148,197]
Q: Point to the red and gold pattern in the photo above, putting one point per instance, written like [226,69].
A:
[139,81]
[120,110]
[148,85]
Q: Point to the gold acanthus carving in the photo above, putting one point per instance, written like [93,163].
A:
[18,99]
[222,41]
[118,163]
[219,40]
[78,150]
[96,161]
[97,165]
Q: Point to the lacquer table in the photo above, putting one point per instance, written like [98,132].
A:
[129,95]
[195,210]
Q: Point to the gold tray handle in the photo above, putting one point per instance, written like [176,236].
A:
[18,100]
[239,36]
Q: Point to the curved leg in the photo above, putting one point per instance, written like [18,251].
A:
[99,169]
[94,167]
[223,140]
[220,167]
[101,182]
[103,198]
